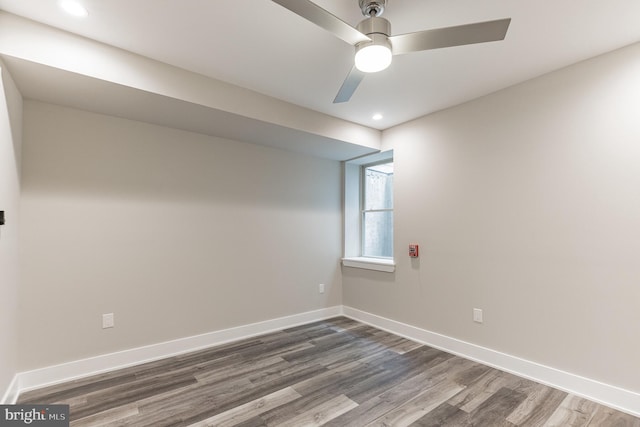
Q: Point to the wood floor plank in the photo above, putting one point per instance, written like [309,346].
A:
[253,422]
[249,410]
[540,403]
[385,402]
[335,372]
[349,353]
[604,416]
[336,379]
[295,408]
[446,415]
[405,346]
[310,332]
[128,393]
[341,323]
[479,391]
[108,416]
[229,373]
[419,406]
[168,409]
[279,348]
[72,401]
[574,411]
[273,374]
[75,388]
[253,393]
[396,374]
[320,414]
[186,399]
[191,366]
[495,410]
[328,348]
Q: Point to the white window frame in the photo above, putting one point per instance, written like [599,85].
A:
[353,193]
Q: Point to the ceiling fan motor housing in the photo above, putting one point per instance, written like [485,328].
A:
[377,29]
[374,26]
[372,8]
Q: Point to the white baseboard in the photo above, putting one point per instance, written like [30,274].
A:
[612,396]
[11,395]
[50,375]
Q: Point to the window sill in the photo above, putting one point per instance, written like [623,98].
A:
[377,264]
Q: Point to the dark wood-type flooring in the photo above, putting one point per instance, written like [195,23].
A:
[336,372]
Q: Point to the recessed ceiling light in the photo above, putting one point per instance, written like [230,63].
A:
[74,8]
[377,116]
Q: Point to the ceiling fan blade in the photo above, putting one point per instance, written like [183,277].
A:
[480,32]
[349,86]
[322,18]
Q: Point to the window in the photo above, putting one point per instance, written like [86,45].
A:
[377,210]
[368,212]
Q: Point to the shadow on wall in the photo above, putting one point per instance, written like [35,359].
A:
[73,151]
[15,121]
[372,276]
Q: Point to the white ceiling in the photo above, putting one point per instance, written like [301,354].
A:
[261,46]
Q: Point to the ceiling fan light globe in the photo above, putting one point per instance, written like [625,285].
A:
[373,58]
[74,8]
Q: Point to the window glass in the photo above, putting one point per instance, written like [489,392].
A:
[378,182]
[378,234]
[377,212]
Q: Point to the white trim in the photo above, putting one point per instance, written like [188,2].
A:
[11,395]
[94,365]
[377,264]
[353,188]
[612,396]
[377,156]
[609,395]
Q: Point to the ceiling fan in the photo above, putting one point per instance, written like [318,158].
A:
[374,44]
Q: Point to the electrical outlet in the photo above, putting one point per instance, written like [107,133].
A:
[477,315]
[108,321]
[321,288]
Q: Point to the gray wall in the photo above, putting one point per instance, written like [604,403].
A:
[526,204]
[10,145]
[176,233]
